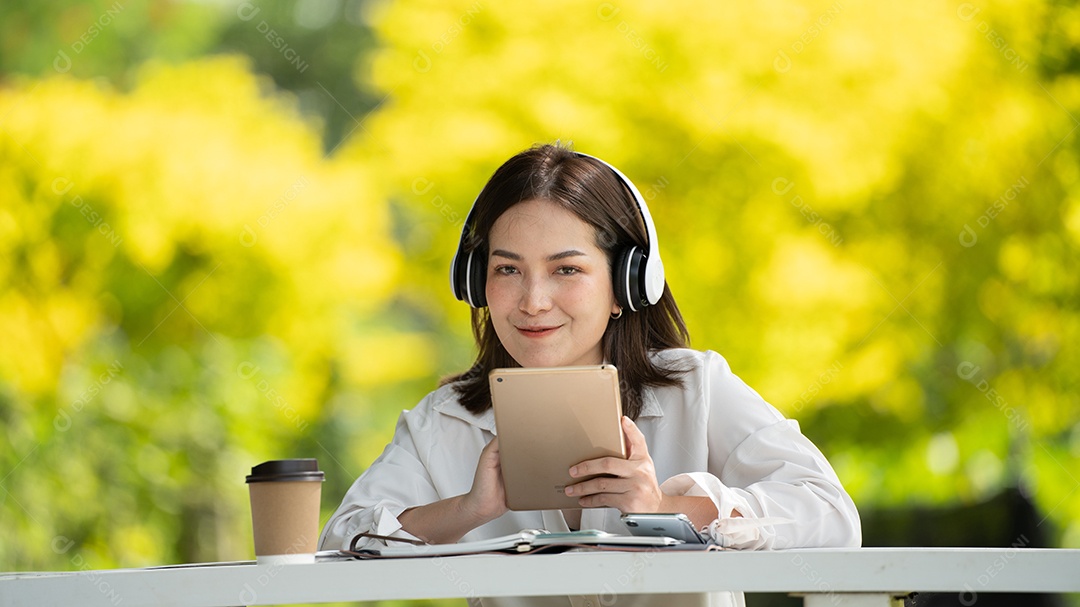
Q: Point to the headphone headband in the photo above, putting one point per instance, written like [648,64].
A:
[637,276]
[654,269]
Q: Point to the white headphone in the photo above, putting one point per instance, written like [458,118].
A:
[637,276]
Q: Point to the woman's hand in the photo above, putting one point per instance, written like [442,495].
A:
[447,521]
[486,500]
[632,486]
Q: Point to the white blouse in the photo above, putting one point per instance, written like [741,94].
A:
[714,437]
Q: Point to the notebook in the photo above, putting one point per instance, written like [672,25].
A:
[528,540]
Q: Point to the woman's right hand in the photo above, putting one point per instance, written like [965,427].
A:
[487,498]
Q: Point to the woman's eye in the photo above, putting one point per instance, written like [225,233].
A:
[568,270]
[505,270]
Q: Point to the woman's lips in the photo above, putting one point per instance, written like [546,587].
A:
[536,331]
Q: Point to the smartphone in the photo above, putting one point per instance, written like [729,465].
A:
[677,526]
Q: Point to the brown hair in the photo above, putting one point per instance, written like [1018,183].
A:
[595,194]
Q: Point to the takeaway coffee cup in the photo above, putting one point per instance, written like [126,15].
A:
[285,510]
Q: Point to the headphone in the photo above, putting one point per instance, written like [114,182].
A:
[637,276]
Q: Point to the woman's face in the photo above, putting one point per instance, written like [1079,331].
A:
[548,286]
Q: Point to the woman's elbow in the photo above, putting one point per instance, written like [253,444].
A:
[847,532]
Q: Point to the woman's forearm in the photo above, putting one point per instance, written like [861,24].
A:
[442,522]
[699,509]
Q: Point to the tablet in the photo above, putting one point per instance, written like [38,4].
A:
[549,419]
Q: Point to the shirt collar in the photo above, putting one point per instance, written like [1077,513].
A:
[453,408]
[650,405]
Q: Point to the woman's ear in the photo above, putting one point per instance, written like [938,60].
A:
[616,312]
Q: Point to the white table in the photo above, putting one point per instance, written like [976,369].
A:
[863,577]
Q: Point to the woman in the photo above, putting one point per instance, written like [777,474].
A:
[553,258]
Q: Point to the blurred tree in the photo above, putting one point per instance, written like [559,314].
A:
[185,282]
[316,49]
[878,227]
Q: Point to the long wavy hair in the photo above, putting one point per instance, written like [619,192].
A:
[592,192]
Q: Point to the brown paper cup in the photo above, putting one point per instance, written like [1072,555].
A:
[285,497]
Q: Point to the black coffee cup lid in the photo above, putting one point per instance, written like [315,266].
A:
[279,470]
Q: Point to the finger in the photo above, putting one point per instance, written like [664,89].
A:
[620,501]
[601,484]
[601,465]
[607,500]
[636,447]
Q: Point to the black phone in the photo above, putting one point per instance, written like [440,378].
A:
[677,526]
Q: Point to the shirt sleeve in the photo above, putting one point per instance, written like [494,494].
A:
[397,480]
[762,467]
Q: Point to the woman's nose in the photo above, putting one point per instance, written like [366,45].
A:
[535,295]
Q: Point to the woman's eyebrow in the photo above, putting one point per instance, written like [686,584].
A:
[506,254]
[565,254]
[555,257]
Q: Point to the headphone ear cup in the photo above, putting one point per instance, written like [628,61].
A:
[477,277]
[457,275]
[618,279]
[636,278]
[627,279]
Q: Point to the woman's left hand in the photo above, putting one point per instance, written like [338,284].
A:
[631,486]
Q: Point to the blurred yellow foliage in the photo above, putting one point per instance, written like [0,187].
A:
[876,226]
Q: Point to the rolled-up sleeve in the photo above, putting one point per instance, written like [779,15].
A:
[762,469]
[397,480]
